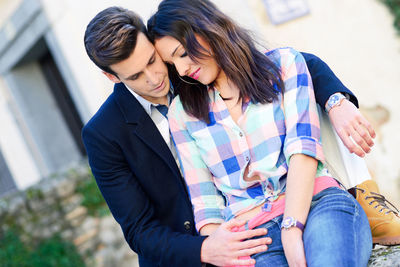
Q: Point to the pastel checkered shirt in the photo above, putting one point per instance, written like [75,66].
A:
[214,156]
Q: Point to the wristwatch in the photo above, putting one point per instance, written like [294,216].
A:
[291,222]
[333,101]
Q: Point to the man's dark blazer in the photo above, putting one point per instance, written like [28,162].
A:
[141,182]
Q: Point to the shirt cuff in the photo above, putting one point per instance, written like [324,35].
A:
[304,145]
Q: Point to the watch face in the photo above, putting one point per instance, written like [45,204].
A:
[334,99]
[287,222]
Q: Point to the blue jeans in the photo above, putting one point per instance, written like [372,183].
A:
[336,233]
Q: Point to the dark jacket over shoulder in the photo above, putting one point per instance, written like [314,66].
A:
[325,81]
[141,182]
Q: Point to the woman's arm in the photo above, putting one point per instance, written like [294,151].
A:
[207,200]
[299,189]
[302,149]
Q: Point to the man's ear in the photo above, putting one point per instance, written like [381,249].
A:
[112,77]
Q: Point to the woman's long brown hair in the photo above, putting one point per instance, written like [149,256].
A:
[232,47]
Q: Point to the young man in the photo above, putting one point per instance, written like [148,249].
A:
[134,161]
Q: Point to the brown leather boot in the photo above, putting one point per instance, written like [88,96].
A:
[383,220]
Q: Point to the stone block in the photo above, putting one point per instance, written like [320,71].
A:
[67,234]
[385,257]
[104,258]
[109,238]
[76,213]
[15,204]
[87,242]
[89,223]
[70,203]
[65,188]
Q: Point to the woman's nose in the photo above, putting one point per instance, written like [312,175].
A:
[182,68]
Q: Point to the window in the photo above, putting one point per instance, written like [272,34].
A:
[280,11]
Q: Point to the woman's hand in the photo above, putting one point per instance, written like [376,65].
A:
[292,241]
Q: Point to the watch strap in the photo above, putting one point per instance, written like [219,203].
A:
[289,222]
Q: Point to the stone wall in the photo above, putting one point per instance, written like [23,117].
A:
[54,206]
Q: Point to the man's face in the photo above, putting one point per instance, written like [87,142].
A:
[144,72]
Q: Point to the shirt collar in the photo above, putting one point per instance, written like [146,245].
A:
[147,105]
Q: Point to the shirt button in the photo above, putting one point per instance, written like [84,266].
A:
[241,134]
[247,158]
[186,225]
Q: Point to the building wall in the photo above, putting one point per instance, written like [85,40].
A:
[7,7]
[17,156]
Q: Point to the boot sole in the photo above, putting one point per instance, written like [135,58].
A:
[386,241]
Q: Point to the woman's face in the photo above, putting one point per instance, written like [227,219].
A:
[206,70]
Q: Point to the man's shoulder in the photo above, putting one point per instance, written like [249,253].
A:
[104,114]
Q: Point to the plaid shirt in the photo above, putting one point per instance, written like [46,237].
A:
[214,156]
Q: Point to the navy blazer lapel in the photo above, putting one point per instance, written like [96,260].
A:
[142,125]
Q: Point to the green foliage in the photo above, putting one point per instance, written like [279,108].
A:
[12,251]
[394,6]
[53,252]
[92,198]
[33,193]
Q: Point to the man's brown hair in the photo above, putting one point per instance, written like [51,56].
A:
[111,35]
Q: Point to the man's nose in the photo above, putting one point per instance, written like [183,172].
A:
[151,77]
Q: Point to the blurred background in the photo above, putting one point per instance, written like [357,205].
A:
[51,213]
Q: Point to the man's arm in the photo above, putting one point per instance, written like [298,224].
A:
[353,129]
[134,211]
[325,81]
[132,208]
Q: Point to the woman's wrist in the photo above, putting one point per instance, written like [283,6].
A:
[292,232]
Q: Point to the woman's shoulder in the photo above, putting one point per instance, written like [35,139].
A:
[177,111]
[282,55]
[175,107]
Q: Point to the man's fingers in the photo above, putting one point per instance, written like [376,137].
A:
[362,145]
[364,134]
[368,126]
[245,261]
[345,137]
[233,223]
[253,243]
[252,251]
[251,233]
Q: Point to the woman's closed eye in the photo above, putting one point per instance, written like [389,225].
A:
[184,54]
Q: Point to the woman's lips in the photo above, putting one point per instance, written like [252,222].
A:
[195,75]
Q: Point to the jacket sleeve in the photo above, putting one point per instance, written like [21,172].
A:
[325,81]
[133,209]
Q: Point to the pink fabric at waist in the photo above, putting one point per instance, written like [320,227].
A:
[321,183]
[278,206]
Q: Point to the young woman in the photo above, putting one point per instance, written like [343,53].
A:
[246,129]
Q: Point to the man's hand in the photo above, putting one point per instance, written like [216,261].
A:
[350,124]
[292,242]
[224,247]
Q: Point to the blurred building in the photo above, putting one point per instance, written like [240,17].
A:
[49,88]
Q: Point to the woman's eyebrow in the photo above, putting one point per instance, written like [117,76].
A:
[173,53]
